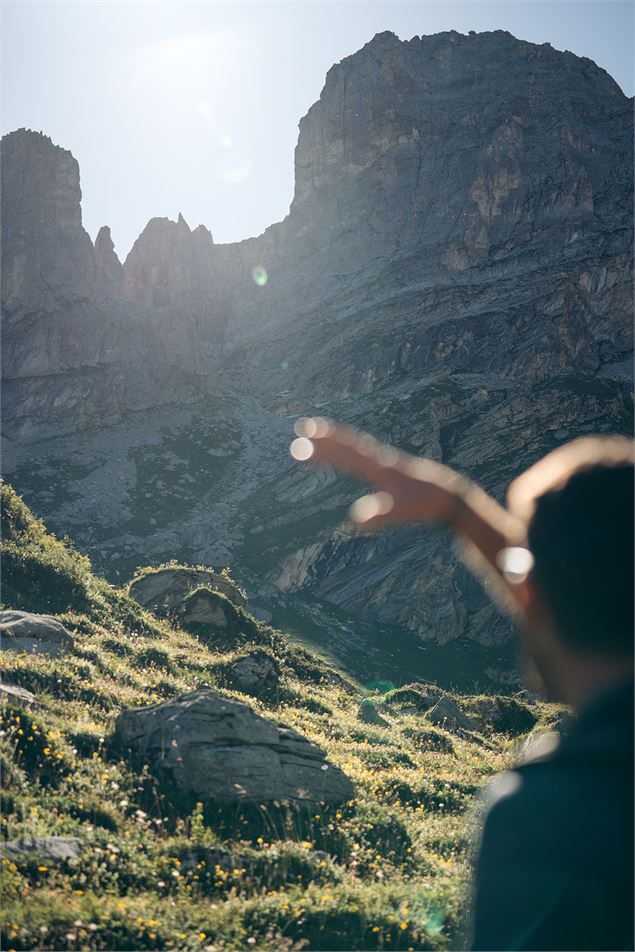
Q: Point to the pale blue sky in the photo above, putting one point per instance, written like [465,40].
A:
[194,107]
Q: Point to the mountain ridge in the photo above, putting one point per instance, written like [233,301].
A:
[453,274]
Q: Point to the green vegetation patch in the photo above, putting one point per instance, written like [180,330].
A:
[388,870]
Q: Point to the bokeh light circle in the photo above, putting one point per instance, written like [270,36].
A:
[260,276]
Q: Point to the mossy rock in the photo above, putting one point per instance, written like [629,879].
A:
[505,715]
[163,590]
[420,696]
[213,618]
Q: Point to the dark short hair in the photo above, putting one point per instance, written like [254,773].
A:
[581,535]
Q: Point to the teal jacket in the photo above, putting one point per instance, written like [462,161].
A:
[555,866]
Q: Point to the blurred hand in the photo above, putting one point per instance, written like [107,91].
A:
[409,489]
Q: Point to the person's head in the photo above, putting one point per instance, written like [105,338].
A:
[577,505]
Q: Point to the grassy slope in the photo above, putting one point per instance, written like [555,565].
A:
[388,870]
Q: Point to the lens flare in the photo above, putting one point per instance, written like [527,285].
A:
[301,449]
[515,562]
[368,507]
[260,276]
[382,687]
[305,426]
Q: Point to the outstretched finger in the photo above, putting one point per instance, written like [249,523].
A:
[372,511]
[345,449]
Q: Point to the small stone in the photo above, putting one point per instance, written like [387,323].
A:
[255,673]
[13,694]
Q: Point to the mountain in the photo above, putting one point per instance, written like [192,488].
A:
[454,274]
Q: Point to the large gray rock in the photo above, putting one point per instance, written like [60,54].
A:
[220,750]
[163,590]
[255,673]
[14,694]
[53,849]
[38,634]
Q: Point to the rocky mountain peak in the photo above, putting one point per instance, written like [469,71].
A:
[168,261]
[203,235]
[384,111]
[45,250]
[108,262]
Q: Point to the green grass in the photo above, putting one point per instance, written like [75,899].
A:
[389,870]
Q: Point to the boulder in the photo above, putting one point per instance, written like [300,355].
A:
[446,713]
[13,694]
[162,591]
[368,714]
[255,673]
[53,849]
[39,634]
[219,750]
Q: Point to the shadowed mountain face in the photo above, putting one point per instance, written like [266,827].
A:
[454,274]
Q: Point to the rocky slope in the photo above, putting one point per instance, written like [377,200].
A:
[455,274]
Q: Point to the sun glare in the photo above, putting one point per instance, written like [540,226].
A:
[192,84]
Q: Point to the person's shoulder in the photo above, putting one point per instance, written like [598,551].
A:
[538,787]
[536,762]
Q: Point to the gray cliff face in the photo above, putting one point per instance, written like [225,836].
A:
[454,274]
[169,262]
[46,253]
[75,345]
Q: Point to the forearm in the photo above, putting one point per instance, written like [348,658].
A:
[484,524]
[465,508]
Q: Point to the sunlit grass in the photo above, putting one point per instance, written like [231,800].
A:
[389,870]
